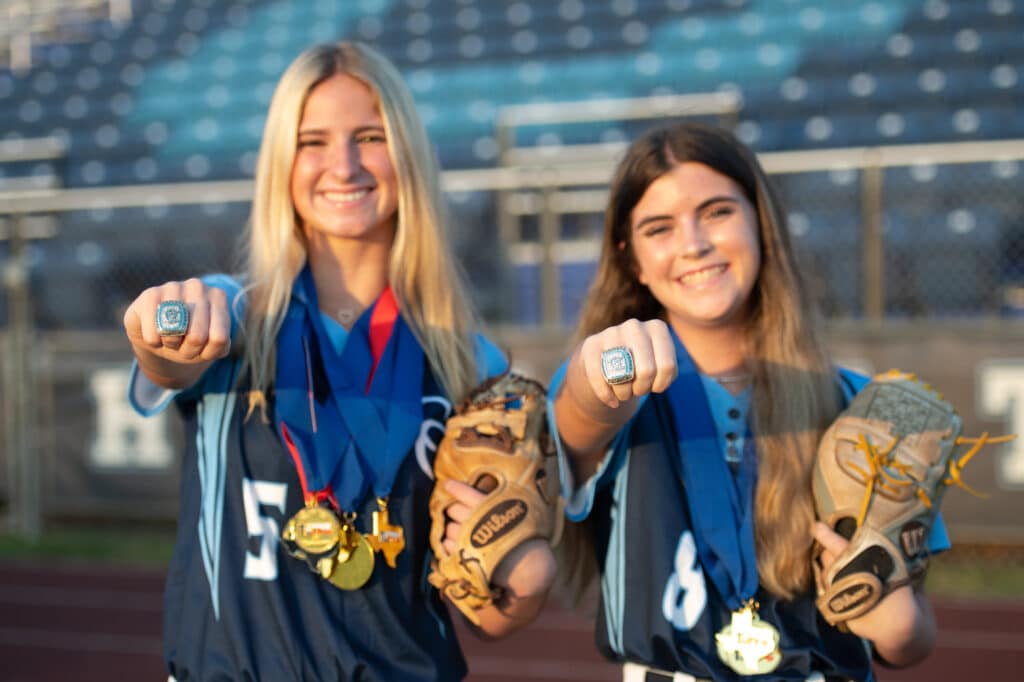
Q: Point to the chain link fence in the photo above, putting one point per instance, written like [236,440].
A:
[951,253]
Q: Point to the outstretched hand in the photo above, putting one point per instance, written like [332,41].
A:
[654,360]
[590,409]
[173,361]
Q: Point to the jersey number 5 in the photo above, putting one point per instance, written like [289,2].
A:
[262,566]
[685,593]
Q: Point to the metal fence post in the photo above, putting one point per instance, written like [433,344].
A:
[550,279]
[873,246]
[19,387]
[508,223]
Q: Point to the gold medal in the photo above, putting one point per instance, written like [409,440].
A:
[387,539]
[353,573]
[313,529]
[749,645]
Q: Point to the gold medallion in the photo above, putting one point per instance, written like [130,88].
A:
[353,573]
[313,529]
[749,645]
[387,539]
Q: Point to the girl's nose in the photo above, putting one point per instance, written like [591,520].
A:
[344,160]
[693,240]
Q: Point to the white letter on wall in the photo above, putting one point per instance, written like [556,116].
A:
[123,438]
[1001,396]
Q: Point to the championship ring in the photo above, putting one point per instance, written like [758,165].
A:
[617,365]
[171,318]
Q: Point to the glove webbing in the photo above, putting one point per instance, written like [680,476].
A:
[882,463]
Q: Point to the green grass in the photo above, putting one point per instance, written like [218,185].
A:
[146,547]
[971,572]
[976,577]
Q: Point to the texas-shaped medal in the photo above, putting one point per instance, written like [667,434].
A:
[749,645]
[387,538]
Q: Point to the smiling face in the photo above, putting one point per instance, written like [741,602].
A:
[343,184]
[696,246]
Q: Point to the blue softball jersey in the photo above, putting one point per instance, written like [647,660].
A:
[658,606]
[237,606]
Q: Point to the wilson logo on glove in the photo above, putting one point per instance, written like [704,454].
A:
[496,442]
[912,539]
[501,520]
[851,598]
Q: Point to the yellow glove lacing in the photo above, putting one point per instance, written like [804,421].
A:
[886,472]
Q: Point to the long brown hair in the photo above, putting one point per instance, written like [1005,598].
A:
[795,395]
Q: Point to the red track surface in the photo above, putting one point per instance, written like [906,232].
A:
[86,623]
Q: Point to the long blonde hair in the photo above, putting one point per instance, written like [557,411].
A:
[421,271]
[795,395]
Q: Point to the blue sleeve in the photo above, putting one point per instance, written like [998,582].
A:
[938,538]
[146,398]
[490,360]
[579,501]
[851,383]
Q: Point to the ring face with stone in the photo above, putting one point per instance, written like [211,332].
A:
[171,318]
[617,365]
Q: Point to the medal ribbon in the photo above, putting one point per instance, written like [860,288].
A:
[353,431]
[721,505]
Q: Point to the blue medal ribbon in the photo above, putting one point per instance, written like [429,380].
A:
[352,432]
[721,505]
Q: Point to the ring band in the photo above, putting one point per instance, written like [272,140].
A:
[617,365]
[171,318]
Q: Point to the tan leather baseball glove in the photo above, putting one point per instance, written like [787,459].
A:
[498,442]
[881,471]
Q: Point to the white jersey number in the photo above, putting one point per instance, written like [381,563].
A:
[686,594]
[262,566]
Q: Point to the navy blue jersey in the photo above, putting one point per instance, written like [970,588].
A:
[657,605]
[237,606]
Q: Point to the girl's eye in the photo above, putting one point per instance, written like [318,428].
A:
[310,142]
[371,138]
[654,230]
[719,211]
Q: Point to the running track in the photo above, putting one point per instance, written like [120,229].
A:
[96,624]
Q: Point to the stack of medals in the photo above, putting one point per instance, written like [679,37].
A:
[331,546]
[353,432]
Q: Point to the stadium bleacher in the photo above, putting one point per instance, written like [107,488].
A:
[179,93]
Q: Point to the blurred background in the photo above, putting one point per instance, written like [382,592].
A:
[128,139]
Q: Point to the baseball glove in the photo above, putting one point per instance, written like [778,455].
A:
[880,474]
[498,442]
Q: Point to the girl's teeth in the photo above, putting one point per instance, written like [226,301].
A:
[346,196]
[702,276]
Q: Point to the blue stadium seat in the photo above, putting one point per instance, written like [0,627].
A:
[180,94]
